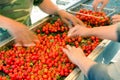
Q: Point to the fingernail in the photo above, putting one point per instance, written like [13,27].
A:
[37,41]
[69,35]
[18,44]
[32,44]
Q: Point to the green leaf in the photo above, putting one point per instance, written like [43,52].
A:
[52,40]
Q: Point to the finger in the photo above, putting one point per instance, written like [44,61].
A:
[35,38]
[102,6]
[104,3]
[115,20]
[68,47]
[74,20]
[67,22]
[74,34]
[77,21]
[95,6]
[32,37]
[18,44]
[65,51]
[80,22]
[71,31]
[36,41]
[27,39]
[70,26]
[73,47]
[115,16]
[30,44]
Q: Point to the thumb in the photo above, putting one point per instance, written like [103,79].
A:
[74,34]
[67,22]
[102,6]
[95,4]
[65,51]
[18,44]
[71,31]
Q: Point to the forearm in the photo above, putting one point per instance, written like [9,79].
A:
[9,24]
[48,7]
[6,22]
[104,32]
[85,64]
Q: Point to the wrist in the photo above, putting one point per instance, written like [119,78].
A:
[88,32]
[58,11]
[85,64]
[92,31]
[81,60]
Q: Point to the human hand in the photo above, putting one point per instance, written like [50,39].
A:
[115,18]
[97,2]
[68,18]
[73,53]
[78,30]
[23,37]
